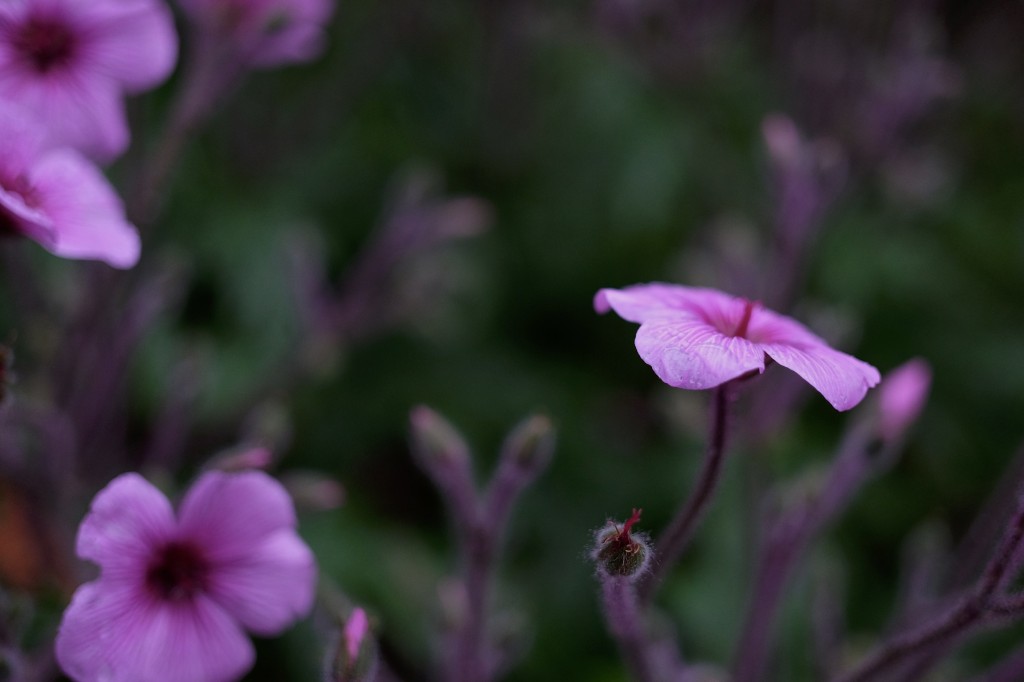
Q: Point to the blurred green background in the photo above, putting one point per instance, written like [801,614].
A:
[615,142]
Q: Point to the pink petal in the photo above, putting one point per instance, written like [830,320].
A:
[87,214]
[112,632]
[80,110]
[268,587]
[22,140]
[689,353]
[127,519]
[841,378]
[131,41]
[230,515]
[29,221]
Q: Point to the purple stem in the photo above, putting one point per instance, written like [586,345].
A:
[677,536]
[956,621]
[622,612]
[790,535]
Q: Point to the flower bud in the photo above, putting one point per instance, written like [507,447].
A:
[618,552]
[436,444]
[902,396]
[356,657]
[530,445]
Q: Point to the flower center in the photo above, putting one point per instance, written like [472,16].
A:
[45,43]
[741,328]
[179,572]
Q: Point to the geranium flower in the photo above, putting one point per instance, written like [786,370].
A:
[58,198]
[701,338]
[70,62]
[265,32]
[174,596]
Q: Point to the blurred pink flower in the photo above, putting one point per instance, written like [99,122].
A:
[265,32]
[902,397]
[70,62]
[58,198]
[174,596]
[355,631]
[701,338]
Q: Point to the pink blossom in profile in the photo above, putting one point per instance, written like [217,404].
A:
[902,396]
[70,62]
[58,198]
[265,32]
[176,595]
[697,338]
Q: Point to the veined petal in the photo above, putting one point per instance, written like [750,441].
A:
[230,515]
[640,302]
[690,353]
[131,41]
[114,633]
[841,378]
[270,586]
[80,110]
[87,214]
[126,521]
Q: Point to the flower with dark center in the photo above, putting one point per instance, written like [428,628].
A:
[176,594]
[70,63]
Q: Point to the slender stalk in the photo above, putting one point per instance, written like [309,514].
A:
[955,622]
[677,536]
[622,612]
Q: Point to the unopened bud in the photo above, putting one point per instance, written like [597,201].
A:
[530,445]
[435,442]
[619,552]
[242,458]
[313,491]
[355,659]
[902,396]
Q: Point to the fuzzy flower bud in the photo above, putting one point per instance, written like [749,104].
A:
[618,552]
[902,397]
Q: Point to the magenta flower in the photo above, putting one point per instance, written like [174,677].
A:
[58,198]
[265,32]
[701,338]
[174,596]
[70,62]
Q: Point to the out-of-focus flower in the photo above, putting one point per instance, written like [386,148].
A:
[70,62]
[265,32]
[902,397]
[697,338]
[175,596]
[58,198]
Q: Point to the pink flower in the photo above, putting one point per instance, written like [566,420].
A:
[70,62]
[174,596]
[265,32]
[902,397]
[701,338]
[58,198]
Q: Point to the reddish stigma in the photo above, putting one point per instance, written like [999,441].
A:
[45,43]
[748,310]
[178,572]
[622,538]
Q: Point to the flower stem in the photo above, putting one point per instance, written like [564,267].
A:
[976,605]
[677,536]
[622,612]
